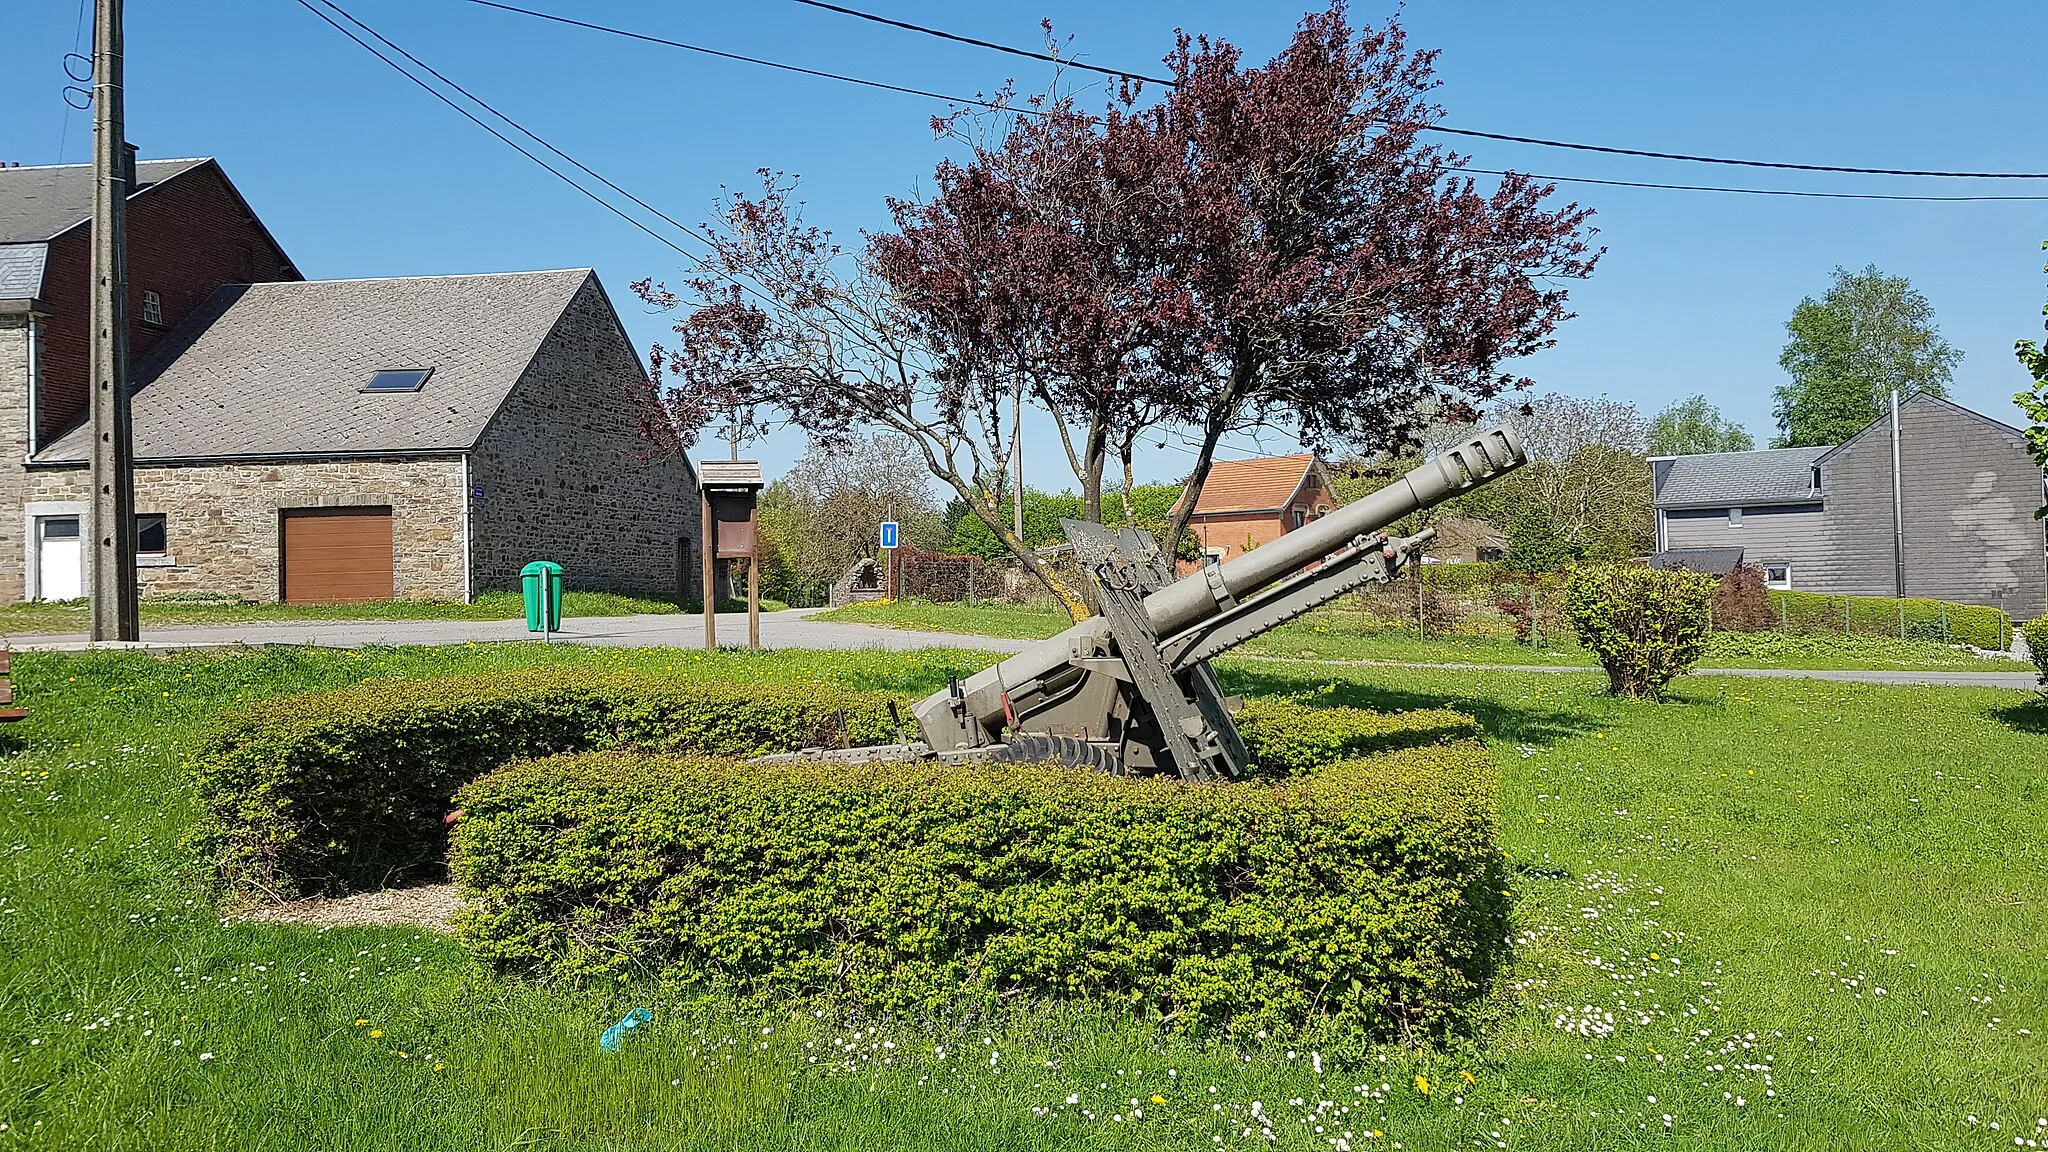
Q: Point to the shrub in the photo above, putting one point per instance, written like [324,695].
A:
[1819,614]
[345,790]
[1286,736]
[1645,625]
[2036,633]
[1740,603]
[1362,900]
[1531,608]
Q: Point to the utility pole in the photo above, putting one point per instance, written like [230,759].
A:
[114,614]
[1898,511]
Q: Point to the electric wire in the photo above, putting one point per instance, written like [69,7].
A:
[1742,191]
[1536,140]
[509,142]
[959,39]
[631,35]
[1460,131]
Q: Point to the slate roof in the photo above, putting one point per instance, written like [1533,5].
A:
[1712,561]
[21,270]
[1262,485]
[1737,479]
[268,370]
[37,203]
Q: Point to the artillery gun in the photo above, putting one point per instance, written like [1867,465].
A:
[1130,690]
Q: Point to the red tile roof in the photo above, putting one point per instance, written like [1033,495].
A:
[1262,485]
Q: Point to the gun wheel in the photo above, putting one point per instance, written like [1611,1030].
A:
[1066,750]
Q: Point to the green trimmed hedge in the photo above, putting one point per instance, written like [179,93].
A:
[1819,614]
[1286,736]
[346,790]
[1365,899]
[2036,632]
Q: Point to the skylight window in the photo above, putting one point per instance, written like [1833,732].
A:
[397,380]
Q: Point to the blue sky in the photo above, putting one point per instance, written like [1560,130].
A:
[361,174]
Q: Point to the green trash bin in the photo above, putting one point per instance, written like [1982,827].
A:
[541,582]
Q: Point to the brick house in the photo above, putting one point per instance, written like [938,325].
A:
[1246,503]
[322,440]
[1819,519]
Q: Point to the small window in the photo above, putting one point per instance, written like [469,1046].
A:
[152,308]
[152,534]
[1300,515]
[1735,517]
[397,380]
[1778,576]
[1816,477]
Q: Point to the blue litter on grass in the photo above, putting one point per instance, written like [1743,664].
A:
[615,1036]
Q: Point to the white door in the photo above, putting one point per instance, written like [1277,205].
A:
[61,566]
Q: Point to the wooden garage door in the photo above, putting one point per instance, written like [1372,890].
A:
[337,555]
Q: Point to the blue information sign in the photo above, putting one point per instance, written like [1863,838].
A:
[888,533]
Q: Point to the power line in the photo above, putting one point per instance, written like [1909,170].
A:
[472,117]
[1742,191]
[959,39]
[1536,140]
[630,35]
[587,170]
[1741,163]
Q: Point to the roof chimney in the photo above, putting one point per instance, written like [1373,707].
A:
[128,165]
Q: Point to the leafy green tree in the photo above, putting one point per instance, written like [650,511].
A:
[2034,402]
[1871,333]
[1692,427]
[1535,545]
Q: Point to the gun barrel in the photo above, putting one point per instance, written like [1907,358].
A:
[1474,462]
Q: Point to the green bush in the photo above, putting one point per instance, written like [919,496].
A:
[1286,736]
[346,790]
[1730,649]
[1819,614]
[2036,632]
[1365,899]
[1645,625]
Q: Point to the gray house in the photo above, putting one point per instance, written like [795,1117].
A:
[1820,519]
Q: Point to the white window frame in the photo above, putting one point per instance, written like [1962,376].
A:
[152,309]
[1735,517]
[1783,584]
[163,559]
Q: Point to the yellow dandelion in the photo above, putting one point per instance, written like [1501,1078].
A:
[1421,1084]
[360,1023]
[438,1067]
[1158,1099]
[1467,1078]
[376,1033]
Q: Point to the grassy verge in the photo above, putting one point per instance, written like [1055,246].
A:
[1768,914]
[987,618]
[1343,634]
[66,616]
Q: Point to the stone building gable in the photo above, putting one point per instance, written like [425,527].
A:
[562,472]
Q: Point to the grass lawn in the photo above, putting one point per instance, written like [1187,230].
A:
[1344,634]
[65,616]
[1776,914]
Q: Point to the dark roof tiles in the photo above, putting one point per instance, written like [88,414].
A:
[37,203]
[1734,479]
[277,369]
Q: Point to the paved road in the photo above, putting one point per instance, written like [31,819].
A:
[792,629]
[2020,680]
[673,630]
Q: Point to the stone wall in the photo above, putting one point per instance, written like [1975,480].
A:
[15,334]
[565,474]
[222,522]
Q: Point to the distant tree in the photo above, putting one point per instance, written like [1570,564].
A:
[827,512]
[1871,333]
[2034,402]
[1692,427]
[1535,545]
[1586,481]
